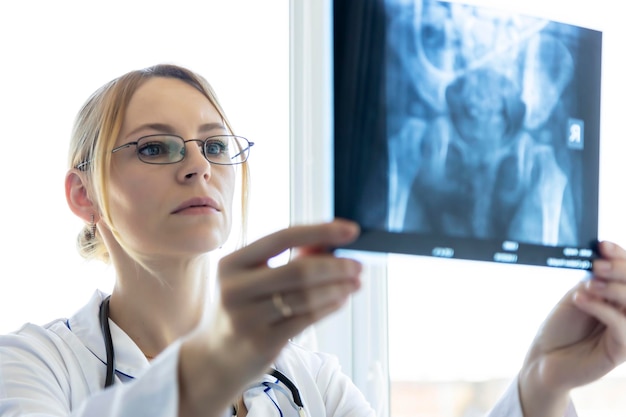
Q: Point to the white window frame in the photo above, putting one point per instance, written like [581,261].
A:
[357,334]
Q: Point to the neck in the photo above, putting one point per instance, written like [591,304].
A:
[161,303]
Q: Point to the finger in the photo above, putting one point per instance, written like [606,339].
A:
[299,306]
[309,303]
[611,291]
[271,339]
[294,325]
[279,307]
[610,250]
[614,320]
[610,269]
[612,265]
[336,233]
[305,273]
[301,274]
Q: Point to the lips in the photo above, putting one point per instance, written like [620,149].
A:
[197,203]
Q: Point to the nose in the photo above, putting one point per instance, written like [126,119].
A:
[194,164]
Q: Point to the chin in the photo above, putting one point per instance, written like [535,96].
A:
[196,240]
[212,242]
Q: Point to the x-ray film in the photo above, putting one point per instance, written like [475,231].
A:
[466,132]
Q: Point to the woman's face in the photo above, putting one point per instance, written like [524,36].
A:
[176,209]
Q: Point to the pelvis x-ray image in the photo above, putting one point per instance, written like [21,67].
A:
[490,127]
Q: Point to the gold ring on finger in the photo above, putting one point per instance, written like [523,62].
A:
[280,305]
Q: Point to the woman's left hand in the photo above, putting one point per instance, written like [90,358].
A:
[582,339]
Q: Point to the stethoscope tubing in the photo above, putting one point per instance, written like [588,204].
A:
[108,342]
[110,355]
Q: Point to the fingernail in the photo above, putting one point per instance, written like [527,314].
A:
[581,297]
[357,267]
[595,284]
[351,230]
[608,247]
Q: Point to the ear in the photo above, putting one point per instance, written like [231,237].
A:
[77,196]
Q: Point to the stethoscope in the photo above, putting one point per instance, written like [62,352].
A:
[296,400]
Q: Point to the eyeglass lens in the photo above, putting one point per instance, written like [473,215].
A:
[168,149]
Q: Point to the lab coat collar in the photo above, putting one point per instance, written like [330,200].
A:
[85,325]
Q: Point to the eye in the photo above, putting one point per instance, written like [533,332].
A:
[160,149]
[154,148]
[216,147]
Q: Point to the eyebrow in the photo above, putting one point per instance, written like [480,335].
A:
[169,129]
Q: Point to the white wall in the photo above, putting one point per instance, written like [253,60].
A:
[55,54]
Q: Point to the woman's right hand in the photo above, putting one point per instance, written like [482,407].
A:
[262,307]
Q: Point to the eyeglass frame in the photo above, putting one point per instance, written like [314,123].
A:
[246,149]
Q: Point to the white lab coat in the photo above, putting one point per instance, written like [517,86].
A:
[59,370]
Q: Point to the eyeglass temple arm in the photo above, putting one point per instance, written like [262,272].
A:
[250,144]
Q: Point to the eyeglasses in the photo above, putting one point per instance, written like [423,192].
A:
[170,149]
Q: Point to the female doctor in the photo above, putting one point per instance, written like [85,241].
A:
[153,167]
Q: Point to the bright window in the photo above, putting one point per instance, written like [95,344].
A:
[426,336]
[459,331]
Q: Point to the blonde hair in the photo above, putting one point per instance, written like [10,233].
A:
[96,128]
